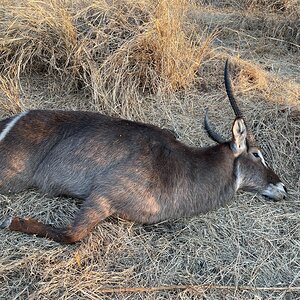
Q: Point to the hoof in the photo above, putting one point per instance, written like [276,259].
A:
[4,223]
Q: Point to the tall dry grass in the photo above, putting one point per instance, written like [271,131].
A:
[10,92]
[251,78]
[276,21]
[108,48]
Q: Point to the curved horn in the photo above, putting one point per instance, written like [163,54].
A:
[211,133]
[229,92]
[233,103]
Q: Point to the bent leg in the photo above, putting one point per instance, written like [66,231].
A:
[91,213]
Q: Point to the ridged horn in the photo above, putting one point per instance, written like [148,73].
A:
[212,133]
[228,86]
[233,103]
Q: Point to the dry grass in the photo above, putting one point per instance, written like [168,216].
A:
[140,59]
[10,93]
[108,48]
[250,77]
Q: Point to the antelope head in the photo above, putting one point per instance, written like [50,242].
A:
[250,168]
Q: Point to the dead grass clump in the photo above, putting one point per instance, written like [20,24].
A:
[37,34]
[162,53]
[274,5]
[249,77]
[275,22]
[11,101]
[111,49]
[278,6]
[161,58]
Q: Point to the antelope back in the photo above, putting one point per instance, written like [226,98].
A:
[62,152]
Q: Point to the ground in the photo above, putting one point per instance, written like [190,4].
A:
[246,250]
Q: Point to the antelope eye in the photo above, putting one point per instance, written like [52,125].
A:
[255,154]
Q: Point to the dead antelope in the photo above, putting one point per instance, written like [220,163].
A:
[137,171]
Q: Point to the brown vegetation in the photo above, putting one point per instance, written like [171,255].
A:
[161,62]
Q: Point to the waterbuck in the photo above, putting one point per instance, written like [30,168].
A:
[137,171]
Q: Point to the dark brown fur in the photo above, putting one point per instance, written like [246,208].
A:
[138,171]
[131,169]
[135,170]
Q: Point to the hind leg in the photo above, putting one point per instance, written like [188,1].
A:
[91,213]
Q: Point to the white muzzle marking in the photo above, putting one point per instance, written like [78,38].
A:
[275,191]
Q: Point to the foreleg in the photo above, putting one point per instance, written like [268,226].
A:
[90,214]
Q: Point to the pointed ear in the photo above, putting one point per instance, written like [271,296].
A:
[239,135]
